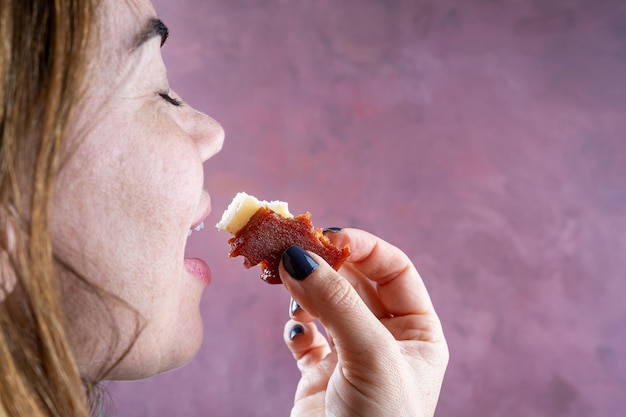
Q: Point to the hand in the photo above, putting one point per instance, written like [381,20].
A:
[385,354]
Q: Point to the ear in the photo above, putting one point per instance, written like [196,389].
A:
[7,273]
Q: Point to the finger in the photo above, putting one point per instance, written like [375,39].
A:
[415,327]
[297,313]
[325,294]
[400,287]
[365,288]
[307,345]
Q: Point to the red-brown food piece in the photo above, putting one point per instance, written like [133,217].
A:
[267,235]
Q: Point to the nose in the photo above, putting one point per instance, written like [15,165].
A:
[207,133]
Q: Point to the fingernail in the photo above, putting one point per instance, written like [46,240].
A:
[332,229]
[293,307]
[298,263]
[295,331]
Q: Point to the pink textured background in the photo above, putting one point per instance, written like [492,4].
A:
[484,137]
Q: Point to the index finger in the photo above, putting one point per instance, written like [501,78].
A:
[400,287]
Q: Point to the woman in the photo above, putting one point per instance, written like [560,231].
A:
[101,180]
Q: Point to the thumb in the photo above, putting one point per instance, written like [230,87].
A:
[323,293]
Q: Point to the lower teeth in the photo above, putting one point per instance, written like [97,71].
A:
[197,229]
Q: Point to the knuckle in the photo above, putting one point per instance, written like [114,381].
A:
[340,295]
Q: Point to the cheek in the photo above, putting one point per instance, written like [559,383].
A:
[125,200]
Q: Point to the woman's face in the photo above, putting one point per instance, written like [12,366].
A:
[126,199]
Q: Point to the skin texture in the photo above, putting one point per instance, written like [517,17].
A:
[130,190]
[386,353]
[132,187]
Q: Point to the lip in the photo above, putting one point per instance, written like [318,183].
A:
[204,209]
[199,269]
[195,266]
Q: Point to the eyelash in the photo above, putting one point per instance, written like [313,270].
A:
[173,101]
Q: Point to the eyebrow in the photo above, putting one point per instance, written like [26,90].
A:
[153,28]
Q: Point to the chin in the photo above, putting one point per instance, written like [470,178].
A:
[184,352]
[149,357]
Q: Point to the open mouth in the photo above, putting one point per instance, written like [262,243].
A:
[193,265]
[196,266]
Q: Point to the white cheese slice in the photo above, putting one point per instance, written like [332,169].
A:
[243,207]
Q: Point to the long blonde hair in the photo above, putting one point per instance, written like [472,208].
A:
[43,65]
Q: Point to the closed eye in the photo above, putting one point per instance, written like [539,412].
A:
[173,101]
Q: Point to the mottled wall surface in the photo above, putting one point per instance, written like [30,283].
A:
[485,137]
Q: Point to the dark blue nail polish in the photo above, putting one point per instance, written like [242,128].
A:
[332,229]
[295,331]
[293,307]
[298,263]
